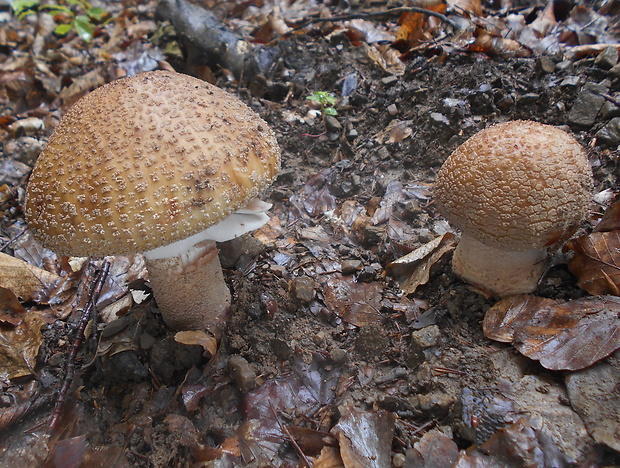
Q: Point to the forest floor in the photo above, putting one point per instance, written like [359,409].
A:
[333,356]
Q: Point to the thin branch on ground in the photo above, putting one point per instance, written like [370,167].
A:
[93,295]
[378,14]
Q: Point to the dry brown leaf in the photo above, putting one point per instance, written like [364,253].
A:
[467,8]
[11,310]
[568,336]
[611,219]
[414,269]
[596,262]
[200,338]
[27,282]
[329,458]
[19,346]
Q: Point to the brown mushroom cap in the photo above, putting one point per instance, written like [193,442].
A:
[517,186]
[145,161]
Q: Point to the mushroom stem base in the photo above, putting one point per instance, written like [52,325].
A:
[498,272]
[190,289]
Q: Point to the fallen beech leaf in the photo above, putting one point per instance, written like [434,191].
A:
[11,310]
[513,313]
[19,346]
[414,269]
[355,303]
[611,218]
[365,438]
[596,262]
[26,281]
[569,336]
[200,338]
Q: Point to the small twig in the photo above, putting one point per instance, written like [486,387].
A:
[290,437]
[379,14]
[17,236]
[93,295]
[611,99]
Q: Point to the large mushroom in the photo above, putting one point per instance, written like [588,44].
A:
[516,190]
[162,164]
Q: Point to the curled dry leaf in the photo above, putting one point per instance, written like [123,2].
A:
[596,262]
[414,269]
[200,338]
[569,336]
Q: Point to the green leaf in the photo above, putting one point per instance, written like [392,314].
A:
[57,9]
[22,8]
[84,27]
[313,98]
[97,14]
[63,29]
[330,111]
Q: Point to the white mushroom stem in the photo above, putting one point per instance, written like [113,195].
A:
[187,278]
[498,272]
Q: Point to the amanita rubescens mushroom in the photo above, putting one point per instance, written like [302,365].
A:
[159,163]
[515,190]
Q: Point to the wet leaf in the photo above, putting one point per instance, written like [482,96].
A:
[365,438]
[355,303]
[26,281]
[19,346]
[568,336]
[596,262]
[414,269]
[11,310]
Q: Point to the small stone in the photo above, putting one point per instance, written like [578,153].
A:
[349,267]
[369,273]
[609,109]
[304,289]
[392,110]
[389,80]
[242,373]
[588,104]
[439,120]
[411,210]
[338,355]
[545,64]
[332,125]
[607,59]
[610,133]
[427,336]
[373,235]
[570,81]
[398,461]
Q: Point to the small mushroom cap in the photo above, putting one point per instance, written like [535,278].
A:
[145,161]
[517,185]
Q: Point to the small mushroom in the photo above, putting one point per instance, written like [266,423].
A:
[162,164]
[516,190]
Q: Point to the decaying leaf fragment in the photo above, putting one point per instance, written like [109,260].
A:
[355,303]
[414,269]
[569,336]
[11,310]
[28,282]
[19,346]
[596,262]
